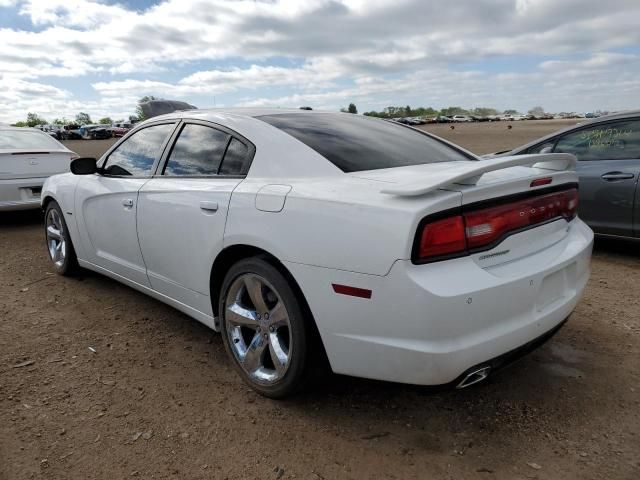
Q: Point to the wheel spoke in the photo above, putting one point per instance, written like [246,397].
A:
[59,255]
[55,219]
[258,328]
[253,358]
[278,355]
[254,289]
[241,317]
[278,316]
[53,232]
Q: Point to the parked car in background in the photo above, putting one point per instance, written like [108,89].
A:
[410,120]
[461,118]
[120,129]
[71,132]
[27,157]
[95,132]
[608,153]
[443,119]
[49,130]
[444,267]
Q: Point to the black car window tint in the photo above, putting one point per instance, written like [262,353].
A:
[137,154]
[236,160]
[198,151]
[355,143]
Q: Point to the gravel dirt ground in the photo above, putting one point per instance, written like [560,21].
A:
[100,381]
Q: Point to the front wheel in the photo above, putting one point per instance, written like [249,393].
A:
[263,328]
[59,246]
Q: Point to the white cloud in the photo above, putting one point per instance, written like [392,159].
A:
[377,51]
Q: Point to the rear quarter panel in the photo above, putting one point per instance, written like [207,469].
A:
[342,224]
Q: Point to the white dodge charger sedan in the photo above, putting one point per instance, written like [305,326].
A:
[306,235]
[27,157]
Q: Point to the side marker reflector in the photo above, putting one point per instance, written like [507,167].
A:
[351,291]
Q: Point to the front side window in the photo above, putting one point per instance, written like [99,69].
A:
[611,141]
[198,151]
[138,153]
[354,143]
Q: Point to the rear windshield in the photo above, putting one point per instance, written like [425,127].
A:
[354,143]
[27,140]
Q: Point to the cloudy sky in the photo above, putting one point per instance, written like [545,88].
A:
[59,57]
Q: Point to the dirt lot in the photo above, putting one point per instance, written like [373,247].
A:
[159,399]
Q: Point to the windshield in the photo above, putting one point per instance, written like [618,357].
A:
[27,140]
[354,143]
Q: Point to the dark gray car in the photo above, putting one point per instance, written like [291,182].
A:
[608,152]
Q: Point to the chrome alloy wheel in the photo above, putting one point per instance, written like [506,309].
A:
[258,328]
[56,243]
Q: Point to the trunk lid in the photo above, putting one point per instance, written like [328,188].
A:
[16,164]
[488,183]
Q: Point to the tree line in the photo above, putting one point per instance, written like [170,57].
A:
[82,118]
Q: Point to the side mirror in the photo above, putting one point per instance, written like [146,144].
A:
[84,166]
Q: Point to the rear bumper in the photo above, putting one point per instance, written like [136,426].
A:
[429,324]
[509,357]
[20,194]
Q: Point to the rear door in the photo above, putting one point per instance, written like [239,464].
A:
[107,204]
[608,166]
[182,211]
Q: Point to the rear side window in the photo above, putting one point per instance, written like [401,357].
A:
[611,141]
[354,143]
[27,140]
[138,153]
[236,160]
[198,151]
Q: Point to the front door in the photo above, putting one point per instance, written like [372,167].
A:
[107,203]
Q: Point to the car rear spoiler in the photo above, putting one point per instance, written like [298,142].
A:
[470,173]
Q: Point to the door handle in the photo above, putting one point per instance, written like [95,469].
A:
[209,206]
[127,202]
[612,176]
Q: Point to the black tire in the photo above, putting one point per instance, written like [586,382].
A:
[300,333]
[68,265]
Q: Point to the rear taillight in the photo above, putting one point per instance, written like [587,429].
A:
[482,228]
[443,237]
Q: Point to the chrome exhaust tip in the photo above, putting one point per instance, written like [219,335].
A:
[474,377]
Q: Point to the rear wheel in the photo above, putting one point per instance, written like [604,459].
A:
[263,328]
[59,246]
